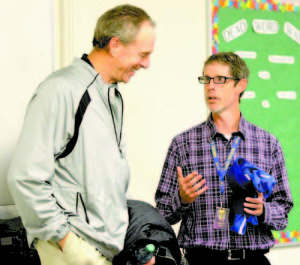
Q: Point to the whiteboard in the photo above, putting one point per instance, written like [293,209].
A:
[26,58]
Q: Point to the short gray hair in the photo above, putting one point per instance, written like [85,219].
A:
[123,22]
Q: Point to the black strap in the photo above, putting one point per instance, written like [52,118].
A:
[83,104]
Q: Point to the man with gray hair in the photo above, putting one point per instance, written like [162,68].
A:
[69,175]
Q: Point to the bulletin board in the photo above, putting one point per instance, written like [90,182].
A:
[266,34]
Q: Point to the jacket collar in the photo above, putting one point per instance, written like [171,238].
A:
[85,58]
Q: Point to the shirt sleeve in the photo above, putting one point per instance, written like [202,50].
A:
[167,196]
[280,203]
[33,165]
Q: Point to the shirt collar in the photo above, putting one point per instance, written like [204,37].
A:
[243,127]
[213,131]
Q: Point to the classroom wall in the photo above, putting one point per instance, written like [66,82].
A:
[160,102]
[26,58]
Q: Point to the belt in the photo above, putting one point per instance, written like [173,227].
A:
[228,254]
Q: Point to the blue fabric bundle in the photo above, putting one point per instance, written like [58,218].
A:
[245,179]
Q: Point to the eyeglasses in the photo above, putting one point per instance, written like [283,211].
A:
[217,79]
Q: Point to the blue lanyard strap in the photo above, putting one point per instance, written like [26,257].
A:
[222,172]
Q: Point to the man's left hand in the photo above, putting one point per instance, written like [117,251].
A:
[256,205]
[151,261]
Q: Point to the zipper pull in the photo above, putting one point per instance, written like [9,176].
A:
[121,153]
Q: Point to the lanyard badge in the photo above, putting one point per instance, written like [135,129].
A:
[222,214]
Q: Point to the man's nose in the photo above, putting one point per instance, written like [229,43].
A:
[145,62]
[211,84]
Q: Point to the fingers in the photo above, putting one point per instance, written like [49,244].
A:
[187,179]
[198,185]
[260,195]
[255,206]
[254,209]
[179,174]
[191,186]
[151,262]
[201,191]
[259,199]
[257,212]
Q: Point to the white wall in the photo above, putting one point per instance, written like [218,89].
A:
[25,60]
[284,255]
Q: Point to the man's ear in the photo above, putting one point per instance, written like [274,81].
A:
[241,86]
[114,46]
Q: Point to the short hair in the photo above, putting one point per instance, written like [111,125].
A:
[123,22]
[237,66]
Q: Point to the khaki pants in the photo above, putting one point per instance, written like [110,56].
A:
[76,252]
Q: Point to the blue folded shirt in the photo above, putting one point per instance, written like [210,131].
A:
[245,179]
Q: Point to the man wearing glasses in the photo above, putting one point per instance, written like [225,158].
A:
[191,188]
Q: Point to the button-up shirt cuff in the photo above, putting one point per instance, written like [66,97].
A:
[267,213]
[178,205]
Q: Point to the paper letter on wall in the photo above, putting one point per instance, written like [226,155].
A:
[264,26]
[235,30]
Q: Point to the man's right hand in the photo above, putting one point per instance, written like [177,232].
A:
[190,187]
[77,251]
[62,242]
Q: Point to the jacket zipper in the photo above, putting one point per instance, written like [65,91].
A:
[118,142]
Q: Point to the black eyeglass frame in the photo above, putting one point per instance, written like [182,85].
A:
[213,78]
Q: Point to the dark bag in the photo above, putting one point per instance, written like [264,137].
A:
[148,226]
[14,247]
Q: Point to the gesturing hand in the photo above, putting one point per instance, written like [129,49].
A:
[190,187]
[256,205]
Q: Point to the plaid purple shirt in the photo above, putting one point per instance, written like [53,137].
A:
[191,151]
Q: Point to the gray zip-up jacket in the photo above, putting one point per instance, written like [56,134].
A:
[86,191]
